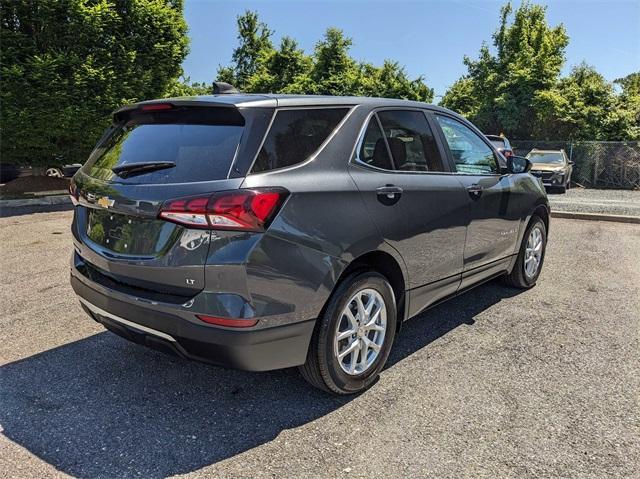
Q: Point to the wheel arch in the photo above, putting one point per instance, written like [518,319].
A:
[387,265]
[542,210]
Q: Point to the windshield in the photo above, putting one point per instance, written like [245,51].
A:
[549,157]
[201,152]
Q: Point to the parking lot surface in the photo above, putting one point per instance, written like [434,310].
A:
[611,202]
[495,383]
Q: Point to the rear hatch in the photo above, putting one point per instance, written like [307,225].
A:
[154,153]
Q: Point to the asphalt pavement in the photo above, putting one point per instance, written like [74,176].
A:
[495,383]
[611,202]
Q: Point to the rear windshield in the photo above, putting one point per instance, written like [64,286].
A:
[295,135]
[202,144]
[498,143]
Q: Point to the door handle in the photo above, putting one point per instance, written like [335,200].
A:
[389,194]
[389,190]
[475,191]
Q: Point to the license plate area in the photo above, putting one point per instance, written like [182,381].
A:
[130,235]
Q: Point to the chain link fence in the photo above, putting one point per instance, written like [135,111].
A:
[598,164]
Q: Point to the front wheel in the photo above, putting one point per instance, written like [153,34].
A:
[530,257]
[353,337]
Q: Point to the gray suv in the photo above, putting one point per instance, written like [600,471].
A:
[267,231]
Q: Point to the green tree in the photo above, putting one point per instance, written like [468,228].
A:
[252,53]
[581,106]
[258,67]
[184,87]
[285,70]
[628,106]
[66,64]
[501,90]
[630,84]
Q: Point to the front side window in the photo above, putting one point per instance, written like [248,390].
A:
[411,141]
[470,154]
[295,135]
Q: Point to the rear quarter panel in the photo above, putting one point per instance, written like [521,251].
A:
[322,227]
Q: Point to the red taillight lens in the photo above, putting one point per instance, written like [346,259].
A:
[156,107]
[507,153]
[250,210]
[228,322]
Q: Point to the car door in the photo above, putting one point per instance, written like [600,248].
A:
[418,205]
[494,219]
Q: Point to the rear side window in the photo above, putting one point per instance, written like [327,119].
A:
[201,144]
[411,141]
[295,135]
[373,150]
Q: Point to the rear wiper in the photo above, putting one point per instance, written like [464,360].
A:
[132,169]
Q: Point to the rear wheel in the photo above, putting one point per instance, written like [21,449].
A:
[530,257]
[353,337]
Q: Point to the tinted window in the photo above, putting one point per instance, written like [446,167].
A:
[295,135]
[373,150]
[470,153]
[411,141]
[201,151]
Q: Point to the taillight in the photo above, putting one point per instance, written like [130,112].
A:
[507,153]
[250,210]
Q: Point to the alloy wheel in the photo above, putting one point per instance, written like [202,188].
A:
[533,252]
[360,332]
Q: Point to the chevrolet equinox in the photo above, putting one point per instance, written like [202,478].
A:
[267,231]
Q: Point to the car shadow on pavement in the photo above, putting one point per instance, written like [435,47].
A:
[102,407]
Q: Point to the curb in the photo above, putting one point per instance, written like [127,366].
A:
[43,201]
[595,217]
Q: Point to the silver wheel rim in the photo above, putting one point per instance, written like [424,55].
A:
[55,172]
[533,252]
[360,332]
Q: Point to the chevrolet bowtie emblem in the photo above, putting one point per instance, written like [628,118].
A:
[106,202]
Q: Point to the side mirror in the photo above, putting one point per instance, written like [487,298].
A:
[518,164]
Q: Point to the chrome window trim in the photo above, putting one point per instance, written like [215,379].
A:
[350,108]
[355,160]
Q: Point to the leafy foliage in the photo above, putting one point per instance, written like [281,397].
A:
[66,64]
[516,87]
[259,67]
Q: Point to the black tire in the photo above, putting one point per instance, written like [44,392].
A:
[517,278]
[322,369]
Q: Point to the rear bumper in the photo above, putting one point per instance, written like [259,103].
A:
[251,350]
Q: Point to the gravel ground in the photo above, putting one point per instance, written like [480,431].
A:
[581,200]
[495,383]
